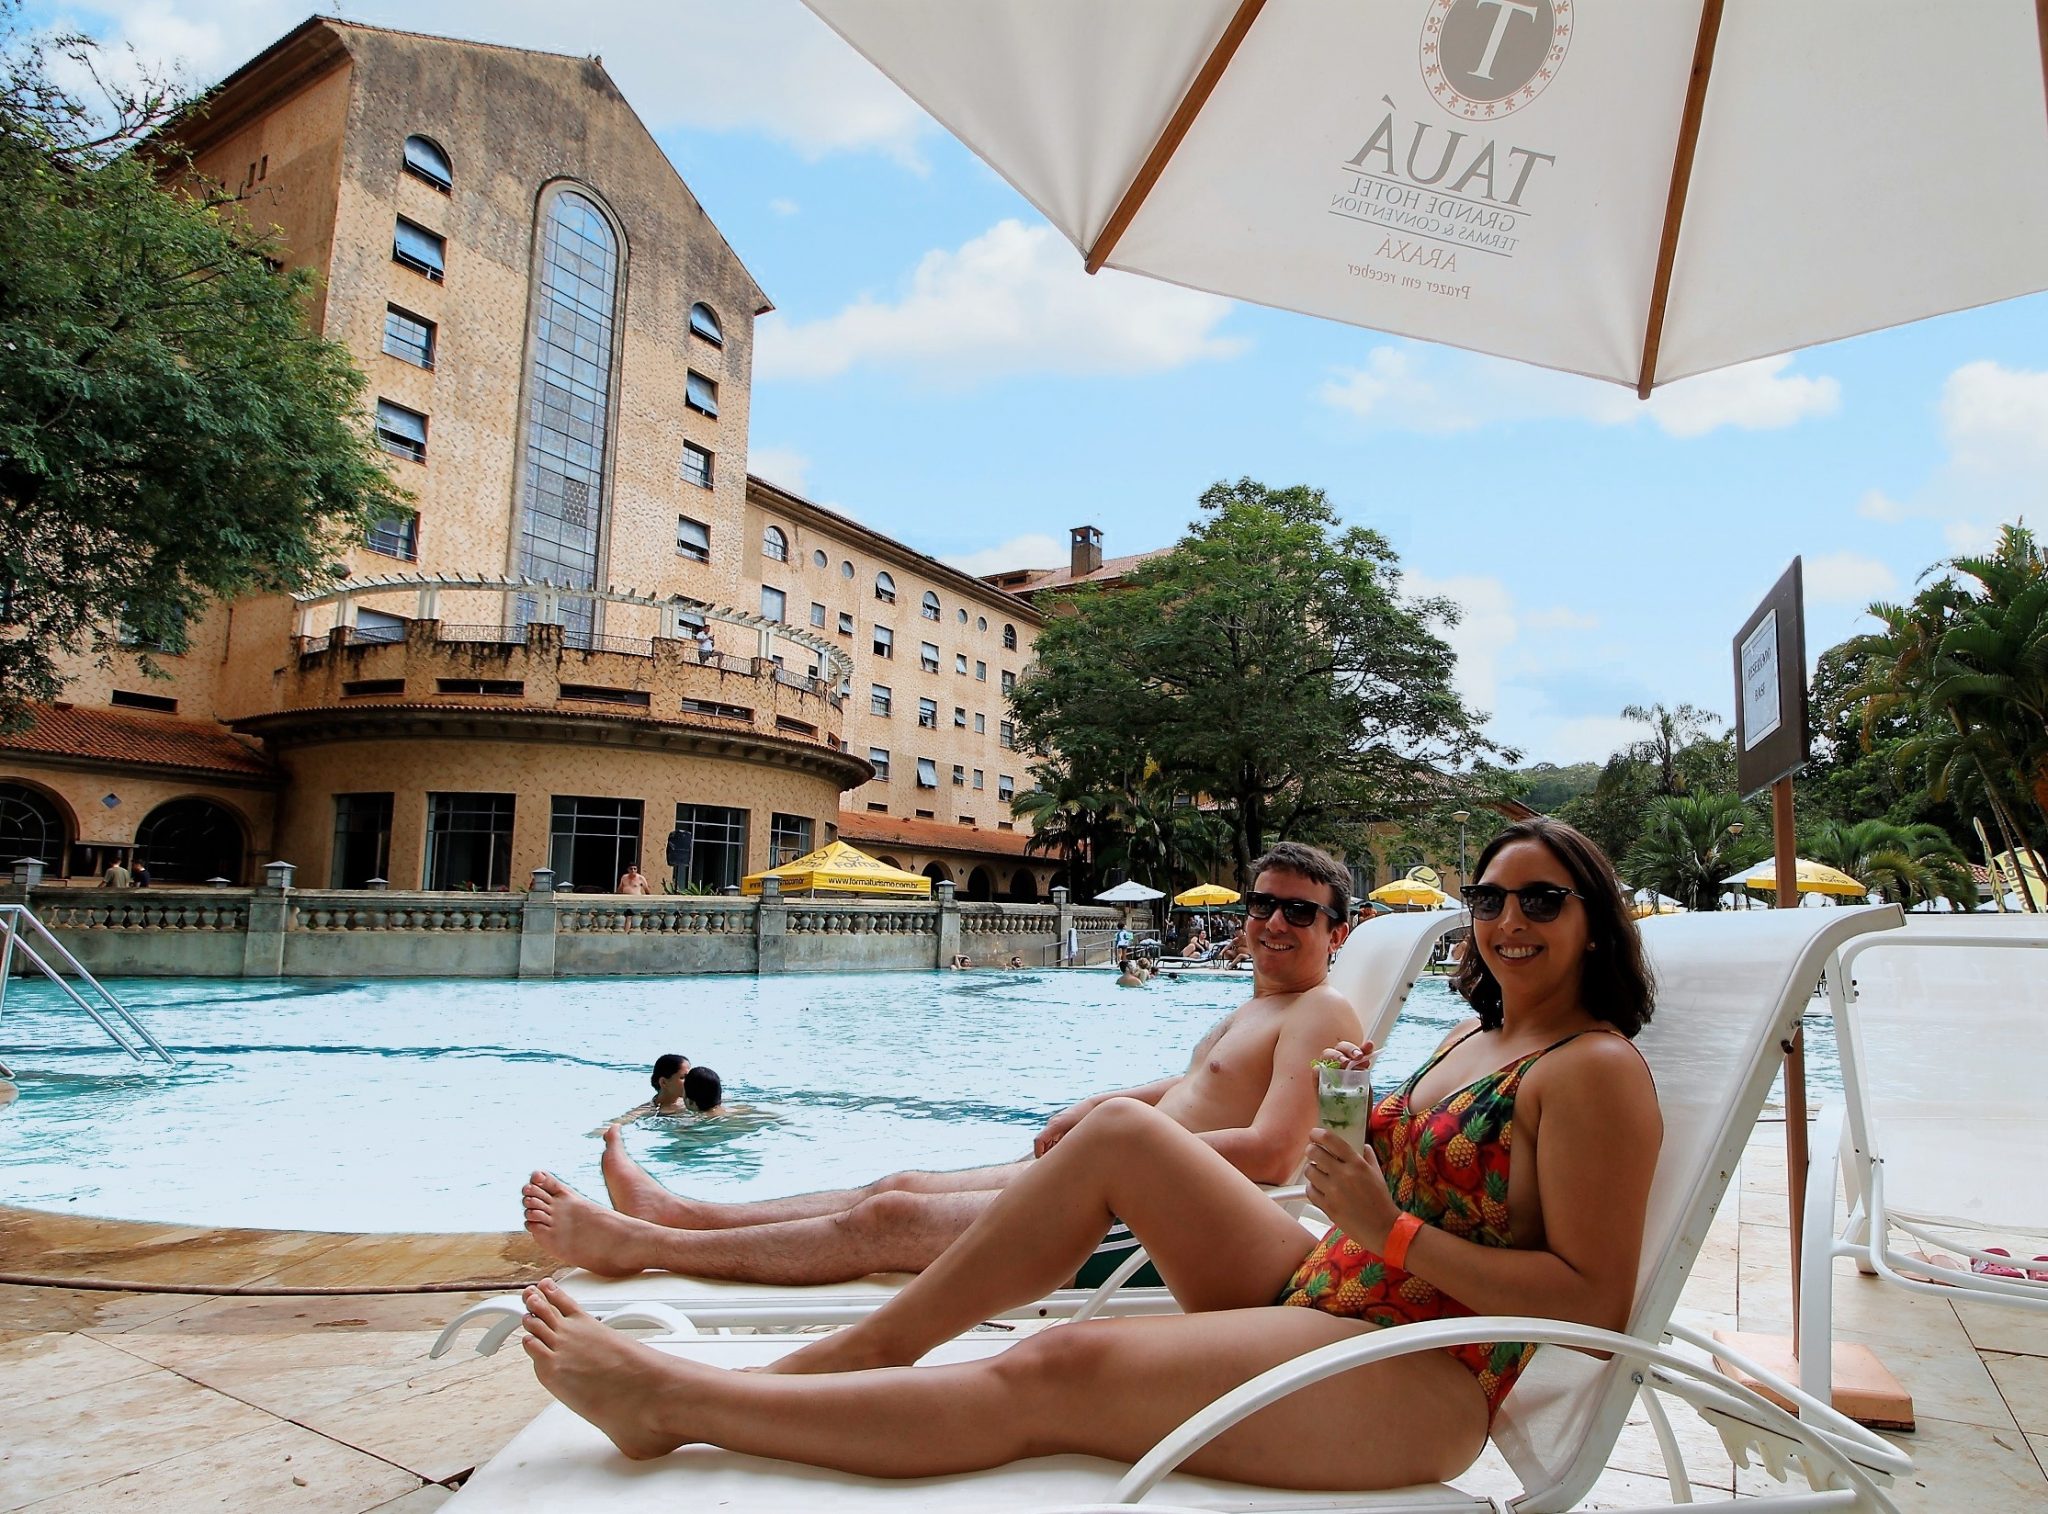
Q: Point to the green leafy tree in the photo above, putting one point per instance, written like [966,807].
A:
[1691,842]
[1908,864]
[170,432]
[1268,663]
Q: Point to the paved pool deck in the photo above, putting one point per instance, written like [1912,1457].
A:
[176,1402]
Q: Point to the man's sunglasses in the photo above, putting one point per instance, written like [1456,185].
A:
[1299,913]
[1541,902]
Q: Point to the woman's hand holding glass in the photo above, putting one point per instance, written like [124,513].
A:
[1343,1181]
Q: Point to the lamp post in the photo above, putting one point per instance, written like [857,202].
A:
[1734,831]
[1461,816]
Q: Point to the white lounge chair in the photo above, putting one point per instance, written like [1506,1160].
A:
[1375,970]
[1731,988]
[1941,1124]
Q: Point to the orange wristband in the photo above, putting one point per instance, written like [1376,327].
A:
[1399,1239]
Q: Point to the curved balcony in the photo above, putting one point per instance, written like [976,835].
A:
[361,664]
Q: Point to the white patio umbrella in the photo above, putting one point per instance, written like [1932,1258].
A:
[1129,893]
[1639,190]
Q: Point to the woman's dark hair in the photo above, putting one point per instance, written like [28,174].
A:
[1618,986]
[701,1090]
[665,1066]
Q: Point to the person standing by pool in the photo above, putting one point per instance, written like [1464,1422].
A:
[117,876]
[1249,1095]
[1430,1222]
[633,881]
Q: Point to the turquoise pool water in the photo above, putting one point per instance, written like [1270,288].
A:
[423,1104]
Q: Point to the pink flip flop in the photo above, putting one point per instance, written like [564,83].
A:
[1996,1269]
[2035,1275]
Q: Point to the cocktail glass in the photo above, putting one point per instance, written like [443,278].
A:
[1344,1102]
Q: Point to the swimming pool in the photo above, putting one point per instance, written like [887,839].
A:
[319,1104]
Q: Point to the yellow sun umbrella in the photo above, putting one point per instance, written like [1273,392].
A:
[1206,894]
[841,869]
[1811,878]
[1410,893]
[1648,907]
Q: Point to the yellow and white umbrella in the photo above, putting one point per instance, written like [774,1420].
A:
[1810,877]
[1408,893]
[837,868]
[1203,895]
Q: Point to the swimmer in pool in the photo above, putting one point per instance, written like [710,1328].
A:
[670,1080]
[704,1096]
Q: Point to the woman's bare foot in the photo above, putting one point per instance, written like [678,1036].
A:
[617,1384]
[572,1229]
[632,1191]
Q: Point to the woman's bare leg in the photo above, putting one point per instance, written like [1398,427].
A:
[1218,1242]
[1108,1388]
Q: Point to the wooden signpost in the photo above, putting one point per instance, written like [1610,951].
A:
[1771,745]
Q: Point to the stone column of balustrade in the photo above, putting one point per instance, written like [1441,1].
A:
[771,928]
[537,923]
[269,914]
[1063,924]
[944,892]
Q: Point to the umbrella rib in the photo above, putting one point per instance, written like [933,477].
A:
[1681,181]
[1183,117]
[2041,31]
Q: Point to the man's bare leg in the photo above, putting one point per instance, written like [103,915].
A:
[1107,1388]
[633,1190]
[889,1232]
[1218,1242]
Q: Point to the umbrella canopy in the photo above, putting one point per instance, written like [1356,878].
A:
[1130,893]
[1410,893]
[1638,192]
[1810,877]
[2014,873]
[1206,894]
[841,869]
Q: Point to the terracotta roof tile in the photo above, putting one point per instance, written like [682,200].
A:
[117,735]
[1112,569]
[861,828]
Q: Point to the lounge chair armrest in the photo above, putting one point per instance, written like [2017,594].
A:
[1325,1362]
[506,1311]
[1293,1193]
[1817,1251]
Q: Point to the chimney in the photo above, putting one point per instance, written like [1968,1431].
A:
[1087,553]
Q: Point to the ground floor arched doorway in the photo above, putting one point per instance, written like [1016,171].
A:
[191,841]
[1023,887]
[981,886]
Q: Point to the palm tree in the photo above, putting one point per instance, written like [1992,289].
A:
[1908,864]
[1689,843]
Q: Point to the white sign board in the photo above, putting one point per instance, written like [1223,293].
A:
[1760,701]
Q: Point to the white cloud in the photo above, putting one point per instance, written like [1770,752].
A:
[1012,300]
[782,205]
[768,66]
[1877,505]
[1411,387]
[1994,420]
[1033,551]
[1487,628]
[780,465]
[1847,578]
[1562,618]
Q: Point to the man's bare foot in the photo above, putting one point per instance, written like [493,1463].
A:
[632,1191]
[851,1349]
[615,1383]
[572,1229]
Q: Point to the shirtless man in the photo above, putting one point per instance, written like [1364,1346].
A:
[1249,1092]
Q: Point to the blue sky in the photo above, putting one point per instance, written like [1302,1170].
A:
[939,367]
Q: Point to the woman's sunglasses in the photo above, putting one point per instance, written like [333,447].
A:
[1299,913]
[1541,902]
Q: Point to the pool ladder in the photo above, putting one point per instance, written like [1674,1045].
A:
[17,923]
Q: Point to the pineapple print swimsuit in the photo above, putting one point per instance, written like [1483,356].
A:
[1448,1166]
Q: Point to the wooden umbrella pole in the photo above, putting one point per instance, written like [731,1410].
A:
[1787,865]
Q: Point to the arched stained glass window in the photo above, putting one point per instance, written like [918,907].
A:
[424,159]
[31,826]
[569,395]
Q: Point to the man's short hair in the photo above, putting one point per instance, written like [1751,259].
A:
[702,1090]
[1314,864]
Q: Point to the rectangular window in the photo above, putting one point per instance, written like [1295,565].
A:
[818,615]
[885,642]
[789,837]
[1009,682]
[1006,735]
[959,717]
[409,337]
[591,842]
[401,432]
[878,699]
[774,603]
[362,840]
[877,809]
[980,725]
[469,841]
[376,625]
[504,688]
[701,394]
[928,656]
[396,537]
[597,693]
[716,845]
[980,672]
[928,714]
[959,775]
[927,773]
[1006,787]
[960,664]
[879,756]
[693,538]
[420,250]
[129,700]
[845,624]
[717,710]
[927,814]
[696,465]
[977,778]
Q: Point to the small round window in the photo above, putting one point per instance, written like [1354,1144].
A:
[819,560]
[981,622]
[846,570]
[961,616]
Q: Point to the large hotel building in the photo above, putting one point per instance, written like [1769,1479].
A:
[599,630]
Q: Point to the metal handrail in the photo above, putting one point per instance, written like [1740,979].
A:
[12,919]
